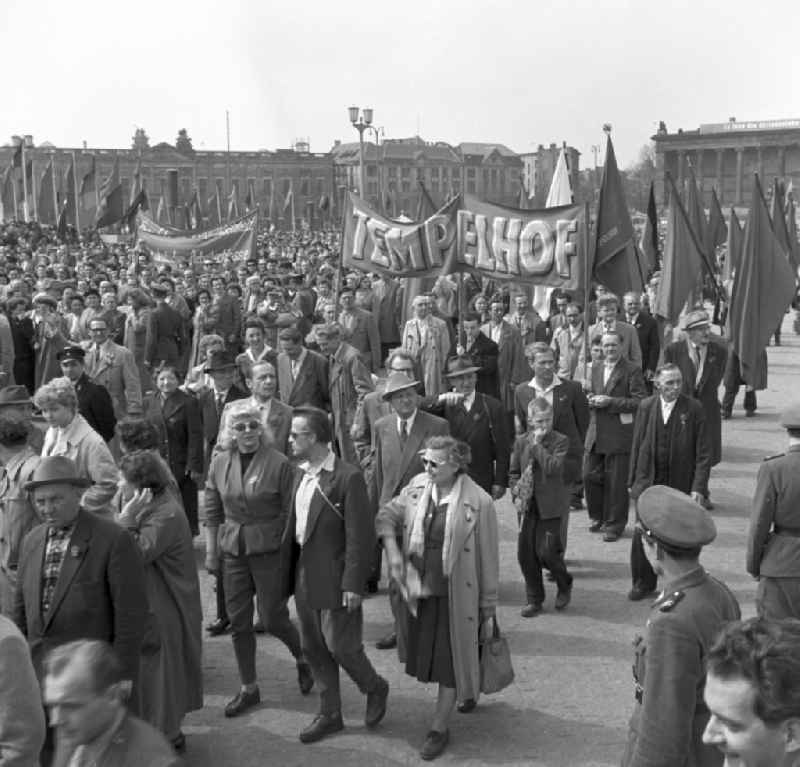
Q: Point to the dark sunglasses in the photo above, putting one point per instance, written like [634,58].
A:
[243,426]
[429,462]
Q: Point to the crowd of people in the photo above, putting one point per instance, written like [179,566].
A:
[326,433]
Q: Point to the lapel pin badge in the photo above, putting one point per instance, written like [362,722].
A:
[75,551]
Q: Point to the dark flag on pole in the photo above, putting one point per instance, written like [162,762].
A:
[111,208]
[88,192]
[649,244]
[763,287]
[616,263]
[734,248]
[66,214]
[717,232]
[682,260]
[791,228]
[140,202]
[46,207]
[779,221]
[7,192]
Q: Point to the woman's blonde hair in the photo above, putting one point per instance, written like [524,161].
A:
[59,391]
[237,411]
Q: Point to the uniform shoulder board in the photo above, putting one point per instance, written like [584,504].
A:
[777,455]
[670,601]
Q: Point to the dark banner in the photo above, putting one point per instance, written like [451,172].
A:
[236,239]
[540,247]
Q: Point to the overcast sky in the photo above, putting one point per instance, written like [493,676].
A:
[520,73]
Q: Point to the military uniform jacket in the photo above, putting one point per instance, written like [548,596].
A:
[773,545]
[669,674]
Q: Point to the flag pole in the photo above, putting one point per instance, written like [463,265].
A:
[33,191]
[14,192]
[25,211]
[77,200]
[53,184]
[293,222]
[586,291]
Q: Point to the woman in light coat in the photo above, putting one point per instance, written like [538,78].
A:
[69,434]
[448,571]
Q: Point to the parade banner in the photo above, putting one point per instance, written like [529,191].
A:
[236,239]
[541,247]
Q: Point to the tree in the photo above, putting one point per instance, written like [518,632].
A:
[638,177]
[141,141]
[183,143]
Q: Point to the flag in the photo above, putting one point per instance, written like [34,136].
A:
[616,264]
[425,204]
[698,221]
[560,186]
[140,202]
[66,214]
[16,160]
[196,211]
[649,241]
[137,185]
[522,198]
[7,194]
[111,208]
[233,205]
[791,229]
[88,192]
[763,286]
[681,261]
[46,207]
[162,212]
[250,199]
[733,248]
[287,202]
[717,232]
[214,212]
[776,210]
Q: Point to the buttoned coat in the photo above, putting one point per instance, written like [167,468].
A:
[362,334]
[429,352]
[629,350]
[530,325]
[474,567]
[180,428]
[336,554]
[165,342]
[776,504]
[547,458]
[610,429]
[689,459]
[386,310]
[350,382]
[93,461]
[100,592]
[396,465]
[310,387]
[649,340]
[512,369]
[279,422]
[706,390]
[115,369]
[211,418]
[95,405]
[484,353]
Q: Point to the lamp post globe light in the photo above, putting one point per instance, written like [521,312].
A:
[361,122]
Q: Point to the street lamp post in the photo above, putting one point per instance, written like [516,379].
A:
[361,123]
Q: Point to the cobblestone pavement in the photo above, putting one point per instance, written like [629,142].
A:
[573,691]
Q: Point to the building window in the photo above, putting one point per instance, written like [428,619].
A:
[267,187]
[321,185]
[391,171]
[202,189]
[470,172]
[470,187]
[485,179]
[372,188]
[434,173]
[286,185]
[405,185]
[494,178]
[304,184]
[372,171]
[405,172]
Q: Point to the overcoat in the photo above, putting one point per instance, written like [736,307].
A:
[350,382]
[511,366]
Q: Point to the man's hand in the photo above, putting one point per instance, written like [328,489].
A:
[450,398]
[600,400]
[351,601]
[212,564]
[498,491]
[396,567]
[196,477]
[697,497]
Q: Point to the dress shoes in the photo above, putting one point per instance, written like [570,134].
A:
[219,626]
[609,536]
[242,702]
[305,679]
[372,587]
[178,743]
[638,593]
[706,503]
[596,527]
[468,705]
[259,628]
[563,598]
[435,743]
[749,413]
[530,610]
[376,703]
[322,726]
[576,504]
[388,642]
[726,414]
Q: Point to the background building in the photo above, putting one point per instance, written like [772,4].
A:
[726,155]
[539,167]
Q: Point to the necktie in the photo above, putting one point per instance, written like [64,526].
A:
[403,432]
[220,403]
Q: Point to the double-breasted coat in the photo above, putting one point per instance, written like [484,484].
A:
[473,566]
[310,386]
[180,428]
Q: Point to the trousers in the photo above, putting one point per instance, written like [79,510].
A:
[539,545]
[606,484]
[642,574]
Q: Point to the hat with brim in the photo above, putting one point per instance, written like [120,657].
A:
[218,361]
[14,395]
[790,417]
[674,518]
[45,298]
[56,470]
[397,382]
[696,319]
[461,366]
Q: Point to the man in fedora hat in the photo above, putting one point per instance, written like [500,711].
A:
[669,668]
[479,420]
[15,400]
[80,575]
[94,401]
[397,440]
[701,358]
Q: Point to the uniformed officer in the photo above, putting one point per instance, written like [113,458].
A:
[669,668]
[773,541]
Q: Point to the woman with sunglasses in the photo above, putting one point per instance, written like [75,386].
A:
[248,496]
[448,571]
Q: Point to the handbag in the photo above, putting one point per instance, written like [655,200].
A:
[495,661]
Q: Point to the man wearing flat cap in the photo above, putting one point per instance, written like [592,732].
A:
[80,575]
[773,540]
[701,358]
[669,670]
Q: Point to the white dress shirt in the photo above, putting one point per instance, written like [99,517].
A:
[305,492]
[409,422]
[545,394]
[666,409]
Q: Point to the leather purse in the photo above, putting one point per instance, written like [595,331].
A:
[495,661]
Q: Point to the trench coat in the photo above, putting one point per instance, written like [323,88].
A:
[171,676]
[474,568]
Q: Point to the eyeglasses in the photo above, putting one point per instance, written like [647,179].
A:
[243,426]
[402,370]
[430,463]
[296,434]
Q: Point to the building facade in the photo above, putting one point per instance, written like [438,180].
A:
[539,167]
[271,175]
[724,156]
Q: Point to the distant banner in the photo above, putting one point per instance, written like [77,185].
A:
[540,247]
[236,239]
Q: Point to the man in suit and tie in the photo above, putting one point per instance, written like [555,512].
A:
[527,321]
[608,322]
[617,387]
[387,302]
[328,542]
[113,367]
[80,575]
[397,440]
[647,332]
[302,374]
[483,352]
[94,402]
[478,420]
[360,330]
[670,447]
[350,382]
[511,366]
[701,358]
